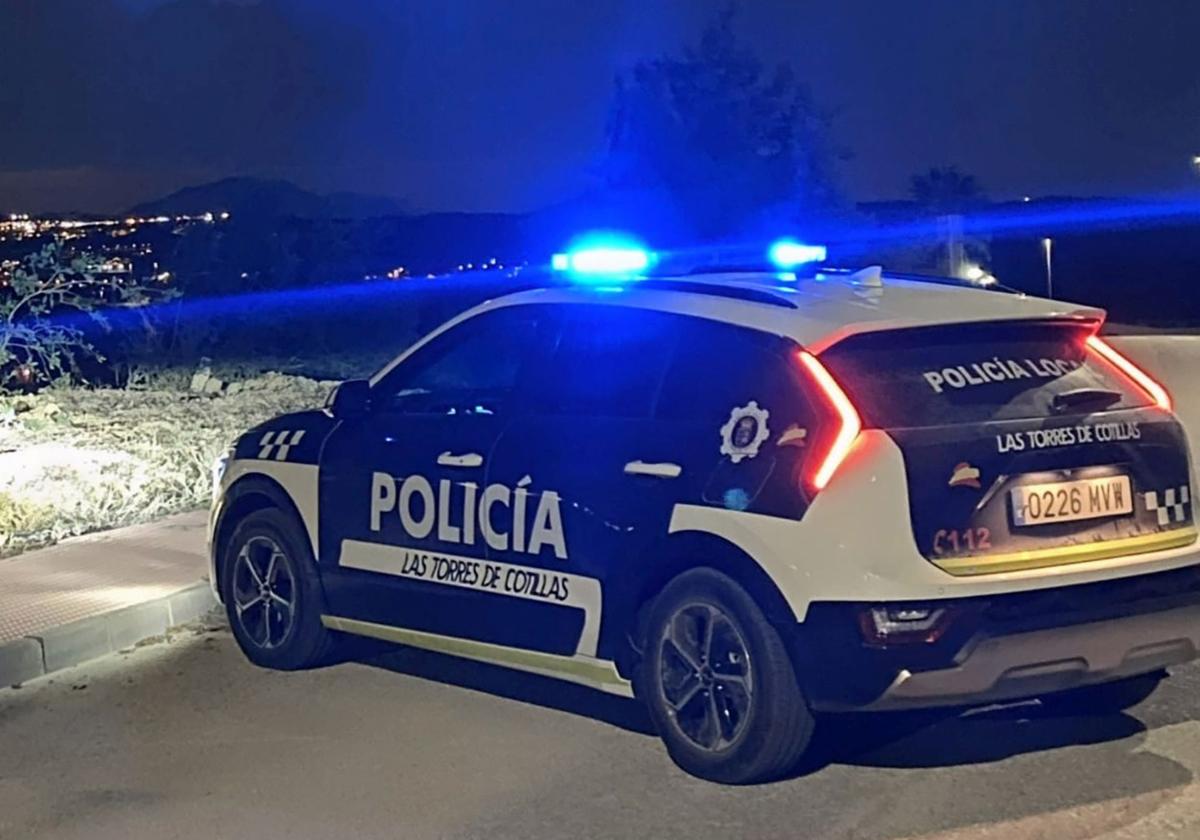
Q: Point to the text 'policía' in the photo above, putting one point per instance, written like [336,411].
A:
[459,511]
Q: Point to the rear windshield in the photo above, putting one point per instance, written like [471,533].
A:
[977,373]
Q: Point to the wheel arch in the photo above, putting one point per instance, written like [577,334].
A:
[679,552]
[245,496]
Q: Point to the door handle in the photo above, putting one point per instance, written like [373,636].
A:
[659,470]
[470,459]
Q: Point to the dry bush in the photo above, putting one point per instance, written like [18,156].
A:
[76,460]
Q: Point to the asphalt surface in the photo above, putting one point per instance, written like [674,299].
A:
[184,739]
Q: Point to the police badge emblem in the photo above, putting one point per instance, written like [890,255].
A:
[744,432]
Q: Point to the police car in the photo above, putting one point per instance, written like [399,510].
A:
[744,497]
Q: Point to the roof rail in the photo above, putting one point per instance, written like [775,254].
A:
[942,280]
[716,289]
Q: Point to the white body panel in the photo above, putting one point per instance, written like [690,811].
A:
[856,543]
[299,481]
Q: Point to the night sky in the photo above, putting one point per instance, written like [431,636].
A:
[501,104]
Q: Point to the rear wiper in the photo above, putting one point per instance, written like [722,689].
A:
[1095,398]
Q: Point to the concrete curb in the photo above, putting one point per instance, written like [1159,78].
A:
[90,638]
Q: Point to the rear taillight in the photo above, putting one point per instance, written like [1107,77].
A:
[845,417]
[883,625]
[1142,379]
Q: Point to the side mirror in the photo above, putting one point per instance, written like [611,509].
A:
[349,400]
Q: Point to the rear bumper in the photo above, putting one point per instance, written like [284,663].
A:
[1045,661]
[1002,647]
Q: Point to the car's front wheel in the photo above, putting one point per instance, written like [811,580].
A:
[719,684]
[272,593]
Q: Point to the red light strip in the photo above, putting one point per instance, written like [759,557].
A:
[1157,392]
[851,424]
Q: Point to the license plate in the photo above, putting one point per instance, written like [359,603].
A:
[1067,501]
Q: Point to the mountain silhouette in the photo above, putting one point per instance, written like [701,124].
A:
[261,198]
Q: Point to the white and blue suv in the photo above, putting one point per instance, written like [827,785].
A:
[743,497]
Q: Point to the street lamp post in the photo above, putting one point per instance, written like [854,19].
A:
[1047,246]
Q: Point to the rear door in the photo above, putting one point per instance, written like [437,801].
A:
[1024,446]
[637,412]
[591,478]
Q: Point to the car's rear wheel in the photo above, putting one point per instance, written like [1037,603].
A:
[718,682]
[272,593]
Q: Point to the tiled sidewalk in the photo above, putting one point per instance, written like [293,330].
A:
[91,595]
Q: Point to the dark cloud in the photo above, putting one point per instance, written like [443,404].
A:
[185,84]
[500,104]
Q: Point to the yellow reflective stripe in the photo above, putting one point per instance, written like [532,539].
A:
[597,673]
[1064,555]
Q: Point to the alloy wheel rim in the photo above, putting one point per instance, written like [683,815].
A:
[705,677]
[264,592]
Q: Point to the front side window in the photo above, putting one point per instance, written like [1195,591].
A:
[475,367]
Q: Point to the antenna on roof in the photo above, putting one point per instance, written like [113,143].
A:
[872,275]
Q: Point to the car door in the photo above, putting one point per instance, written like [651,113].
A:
[597,478]
[400,487]
[638,412]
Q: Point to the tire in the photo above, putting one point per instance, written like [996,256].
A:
[739,717]
[267,564]
[1104,698]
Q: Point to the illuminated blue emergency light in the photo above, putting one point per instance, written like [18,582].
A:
[605,257]
[788,253]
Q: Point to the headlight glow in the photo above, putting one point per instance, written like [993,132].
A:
[218,469]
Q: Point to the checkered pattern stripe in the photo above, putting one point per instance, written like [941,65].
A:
[276,445]
[1173,505]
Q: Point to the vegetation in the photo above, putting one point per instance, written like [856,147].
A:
[945,190]
[49,299]
[74,460]
[721,141]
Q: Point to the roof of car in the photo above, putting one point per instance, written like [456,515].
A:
[816,312]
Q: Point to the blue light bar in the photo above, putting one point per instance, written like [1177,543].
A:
[788,253]
[604,256]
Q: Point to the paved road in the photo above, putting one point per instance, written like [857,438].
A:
[184,739]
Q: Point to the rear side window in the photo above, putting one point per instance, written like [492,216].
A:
[608,362]
[975,373]
[720,366]
[737,397]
